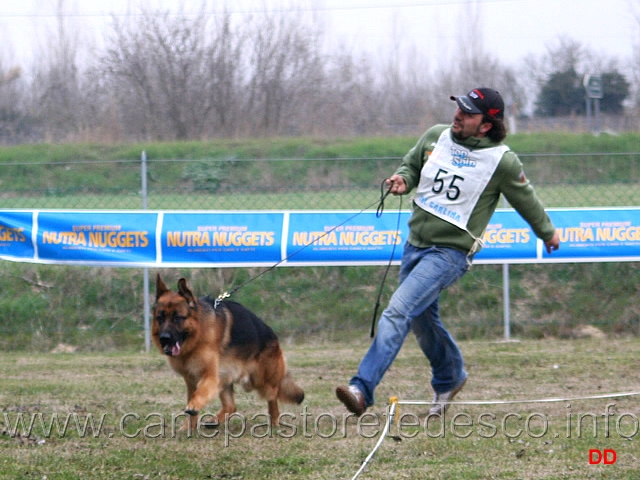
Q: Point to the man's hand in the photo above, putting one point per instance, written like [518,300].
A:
[554,243]
[396,184]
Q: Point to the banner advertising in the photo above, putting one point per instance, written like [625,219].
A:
[341,238]
[508,238]
[593,235]
[134,238]
[230,238]
[15,235]
[106,238]
[586,235]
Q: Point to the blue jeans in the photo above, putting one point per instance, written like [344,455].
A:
[424,273]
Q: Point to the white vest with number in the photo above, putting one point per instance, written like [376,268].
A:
[454,177]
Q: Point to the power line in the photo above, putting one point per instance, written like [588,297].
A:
[281,10]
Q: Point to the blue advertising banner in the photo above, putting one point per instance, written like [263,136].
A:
[586,235]
[293,238]
[102,238]
[597,234]
[15,235]
[222,238]
[508,238]
[345,238]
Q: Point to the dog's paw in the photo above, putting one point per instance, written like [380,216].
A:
[191,412]
[210,425]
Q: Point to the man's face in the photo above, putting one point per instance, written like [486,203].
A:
[467,125]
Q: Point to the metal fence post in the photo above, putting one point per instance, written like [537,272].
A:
[506,300]
[147,330]
[506,297]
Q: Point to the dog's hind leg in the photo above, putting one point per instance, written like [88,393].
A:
[228,404]
[274,412]
[270,394]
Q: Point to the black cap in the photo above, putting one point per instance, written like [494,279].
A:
[481,100]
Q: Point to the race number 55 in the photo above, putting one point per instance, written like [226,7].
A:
[440,184]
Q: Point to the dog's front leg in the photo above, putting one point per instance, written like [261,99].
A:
[206,389]
[191,421]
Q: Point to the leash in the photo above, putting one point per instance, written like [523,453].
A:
[379,212]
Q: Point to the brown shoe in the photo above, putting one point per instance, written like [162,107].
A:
[352,398]
[441,400]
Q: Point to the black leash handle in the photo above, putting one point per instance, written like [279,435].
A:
[383,196]
[379,212]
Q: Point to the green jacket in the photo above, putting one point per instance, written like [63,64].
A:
[508,179]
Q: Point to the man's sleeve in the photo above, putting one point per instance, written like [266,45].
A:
[519,192]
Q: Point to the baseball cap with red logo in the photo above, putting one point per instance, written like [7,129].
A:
[481,100]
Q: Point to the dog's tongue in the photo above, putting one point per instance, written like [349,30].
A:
[175,350]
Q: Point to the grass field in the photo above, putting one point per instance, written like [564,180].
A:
[105,413]
[131,398]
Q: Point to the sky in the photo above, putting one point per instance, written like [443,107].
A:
[512,29]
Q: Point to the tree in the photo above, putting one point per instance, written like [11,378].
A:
[563,94]
[635,63]
[560,75]
[285,66]
[171,73]
[476,66]
[15,124]
[188,77]
[615,90]
[56,88]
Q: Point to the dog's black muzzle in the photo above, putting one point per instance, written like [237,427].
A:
[171,343]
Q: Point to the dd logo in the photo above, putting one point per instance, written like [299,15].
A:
[606,456]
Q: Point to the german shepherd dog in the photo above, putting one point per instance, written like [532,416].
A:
[214,346]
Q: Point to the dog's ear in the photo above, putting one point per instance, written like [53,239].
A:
[161,288]
[183,289]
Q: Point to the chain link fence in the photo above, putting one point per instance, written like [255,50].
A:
[561,180]
[99,309]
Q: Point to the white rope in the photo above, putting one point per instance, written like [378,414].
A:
[387,427]
[394,402]
[509,402]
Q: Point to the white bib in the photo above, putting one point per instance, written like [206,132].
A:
[454,177]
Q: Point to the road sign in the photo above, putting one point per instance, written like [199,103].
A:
[593,86]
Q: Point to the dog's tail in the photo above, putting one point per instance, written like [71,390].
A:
[289,391]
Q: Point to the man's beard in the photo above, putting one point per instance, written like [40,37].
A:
[459,136]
